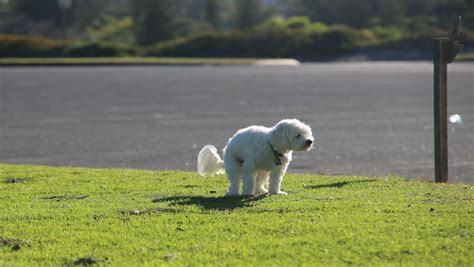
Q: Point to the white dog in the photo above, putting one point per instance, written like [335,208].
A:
[255,154]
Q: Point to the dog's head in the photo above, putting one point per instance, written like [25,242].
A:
[292,134]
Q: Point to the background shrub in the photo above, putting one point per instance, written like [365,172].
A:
[29,46]
[99,50]
[298,23]
[268,42]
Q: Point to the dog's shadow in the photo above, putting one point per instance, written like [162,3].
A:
[338,184]
[230,203]
[213,203]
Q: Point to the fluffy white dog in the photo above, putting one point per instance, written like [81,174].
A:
[256,154]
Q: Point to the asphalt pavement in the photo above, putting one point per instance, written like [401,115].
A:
[368,118]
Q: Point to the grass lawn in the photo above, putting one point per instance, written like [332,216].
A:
[125,61]
[61,216]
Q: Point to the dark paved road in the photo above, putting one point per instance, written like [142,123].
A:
[369,118]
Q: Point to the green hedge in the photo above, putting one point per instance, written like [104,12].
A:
[276,40]
[267,43]
[30,46]
[99,50]
[424,42]
[306,45]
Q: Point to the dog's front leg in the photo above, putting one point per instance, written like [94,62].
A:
[276,177]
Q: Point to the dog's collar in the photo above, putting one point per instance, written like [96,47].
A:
[277,155]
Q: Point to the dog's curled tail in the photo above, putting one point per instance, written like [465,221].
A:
[209,162]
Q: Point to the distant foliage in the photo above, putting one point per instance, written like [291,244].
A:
[298,23]
[27,46]
[423,42]
[268,42]
[154,21]
[211,13]
[297,37]
[99,50]
[38,10]
[248,13]
[189,26]
[162,20]
[394,13]
[111,29]
[386,34]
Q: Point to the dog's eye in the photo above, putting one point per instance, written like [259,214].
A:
[298,136]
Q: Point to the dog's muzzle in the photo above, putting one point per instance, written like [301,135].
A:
[308,144]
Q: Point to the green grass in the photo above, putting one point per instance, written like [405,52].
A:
[125,61]
[122,217]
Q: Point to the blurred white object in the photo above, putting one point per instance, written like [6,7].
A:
[455,119]
[278,62]
[209,162]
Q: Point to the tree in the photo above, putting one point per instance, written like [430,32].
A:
[389,12]
[353,13]
[211,13]
[449,11]
[44,10]
[248,13]
[154,21]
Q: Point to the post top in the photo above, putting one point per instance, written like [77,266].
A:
[445,49]
[456,29]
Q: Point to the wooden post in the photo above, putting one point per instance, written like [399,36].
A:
[445,50]
[440,111]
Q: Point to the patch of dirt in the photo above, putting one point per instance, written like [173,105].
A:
[11,180]
[280,210]
[14,244]
[66,197]
[170,257]
[159,198]
[329,198]
[463,234]
[153,210]
[85,261]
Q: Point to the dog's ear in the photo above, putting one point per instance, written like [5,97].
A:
[279,137]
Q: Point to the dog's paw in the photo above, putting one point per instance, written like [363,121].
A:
[282,193]
[232,194]
[261,192]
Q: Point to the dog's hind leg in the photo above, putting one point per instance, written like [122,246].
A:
[261,183]
[233,170]
[248,180]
